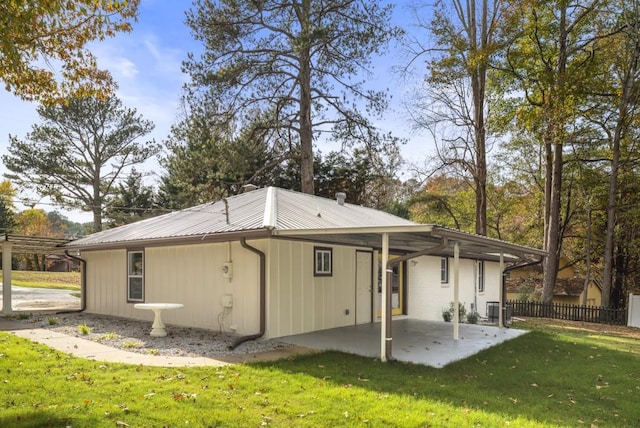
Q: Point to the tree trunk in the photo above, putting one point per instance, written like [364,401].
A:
[587,278]
[554,141]
[306,130]
[553,231]
[96,208]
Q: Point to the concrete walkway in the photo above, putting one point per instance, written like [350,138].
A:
[95,351]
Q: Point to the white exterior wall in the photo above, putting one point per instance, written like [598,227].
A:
[106,286]
[298,302]
[427,296]
[188,274]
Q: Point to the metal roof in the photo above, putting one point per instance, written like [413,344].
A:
[275,212]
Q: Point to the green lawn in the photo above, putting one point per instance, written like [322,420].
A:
[549,377]
[62,280]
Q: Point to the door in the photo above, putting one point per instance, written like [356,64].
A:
[364,286]
[397,287]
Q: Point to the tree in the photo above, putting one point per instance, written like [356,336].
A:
[37,35]
[625,82]
[207,162]
[34,222]
[79,152]
[551,64]
[303,63]
[133,201]
[454,104]
[7,218]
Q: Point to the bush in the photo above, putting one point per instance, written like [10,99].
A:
[472,317]
[447,314]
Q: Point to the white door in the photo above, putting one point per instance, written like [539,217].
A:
[364,286]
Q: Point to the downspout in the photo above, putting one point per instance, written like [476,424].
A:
[263,299]
[389,271]
[504,281]
[83,283]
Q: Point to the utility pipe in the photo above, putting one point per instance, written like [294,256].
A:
[83,283]
[263,300]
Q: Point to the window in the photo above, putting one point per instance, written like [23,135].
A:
[480,277]
[322,261]
[444,270]
[135,276]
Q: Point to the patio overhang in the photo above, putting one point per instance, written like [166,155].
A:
[21,244]
[414,238]
[415,241]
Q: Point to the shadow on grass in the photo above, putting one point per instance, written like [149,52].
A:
[42,418]
[549,378]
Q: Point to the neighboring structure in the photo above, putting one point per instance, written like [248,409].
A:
[526,284]
[61,263]
[273,263]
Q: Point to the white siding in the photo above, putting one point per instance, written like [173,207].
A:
[190,274]
[427,296]
[298,302]
[106,291]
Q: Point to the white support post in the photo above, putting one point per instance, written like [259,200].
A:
[6,278]
[383,326]
[501,311]
[456,290]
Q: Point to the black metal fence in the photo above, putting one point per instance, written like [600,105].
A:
[563,311]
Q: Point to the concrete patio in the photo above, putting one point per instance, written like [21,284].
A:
[421,342]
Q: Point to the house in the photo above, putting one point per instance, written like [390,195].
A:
[61,263]
[526,284]
[272,262]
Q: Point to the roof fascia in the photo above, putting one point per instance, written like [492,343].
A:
[424,228]
[183,240]
[491,242]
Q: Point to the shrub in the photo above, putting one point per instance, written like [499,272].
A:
[53,320]
[472,317]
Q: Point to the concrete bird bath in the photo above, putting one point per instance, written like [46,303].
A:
[158,327]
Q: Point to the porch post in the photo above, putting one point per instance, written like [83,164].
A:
[6,278]
[385,300]
[501,297]
[456,290]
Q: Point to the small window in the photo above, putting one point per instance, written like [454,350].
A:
[323,263]
[135,276]
[480,277]
[444,270]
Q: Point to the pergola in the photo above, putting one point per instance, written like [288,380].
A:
[21,244]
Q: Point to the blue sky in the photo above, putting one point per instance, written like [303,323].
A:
[146,64]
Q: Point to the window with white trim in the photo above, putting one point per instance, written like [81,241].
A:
[480,277]
[135,276]
[323,261]
[444,270]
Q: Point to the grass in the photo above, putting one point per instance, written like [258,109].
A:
[59,280]
[84,329]
[549,377]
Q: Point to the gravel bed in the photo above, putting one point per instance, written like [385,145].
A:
[133,336]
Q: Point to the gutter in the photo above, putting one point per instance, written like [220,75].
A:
[504,281]
[263,300]
[83,284]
